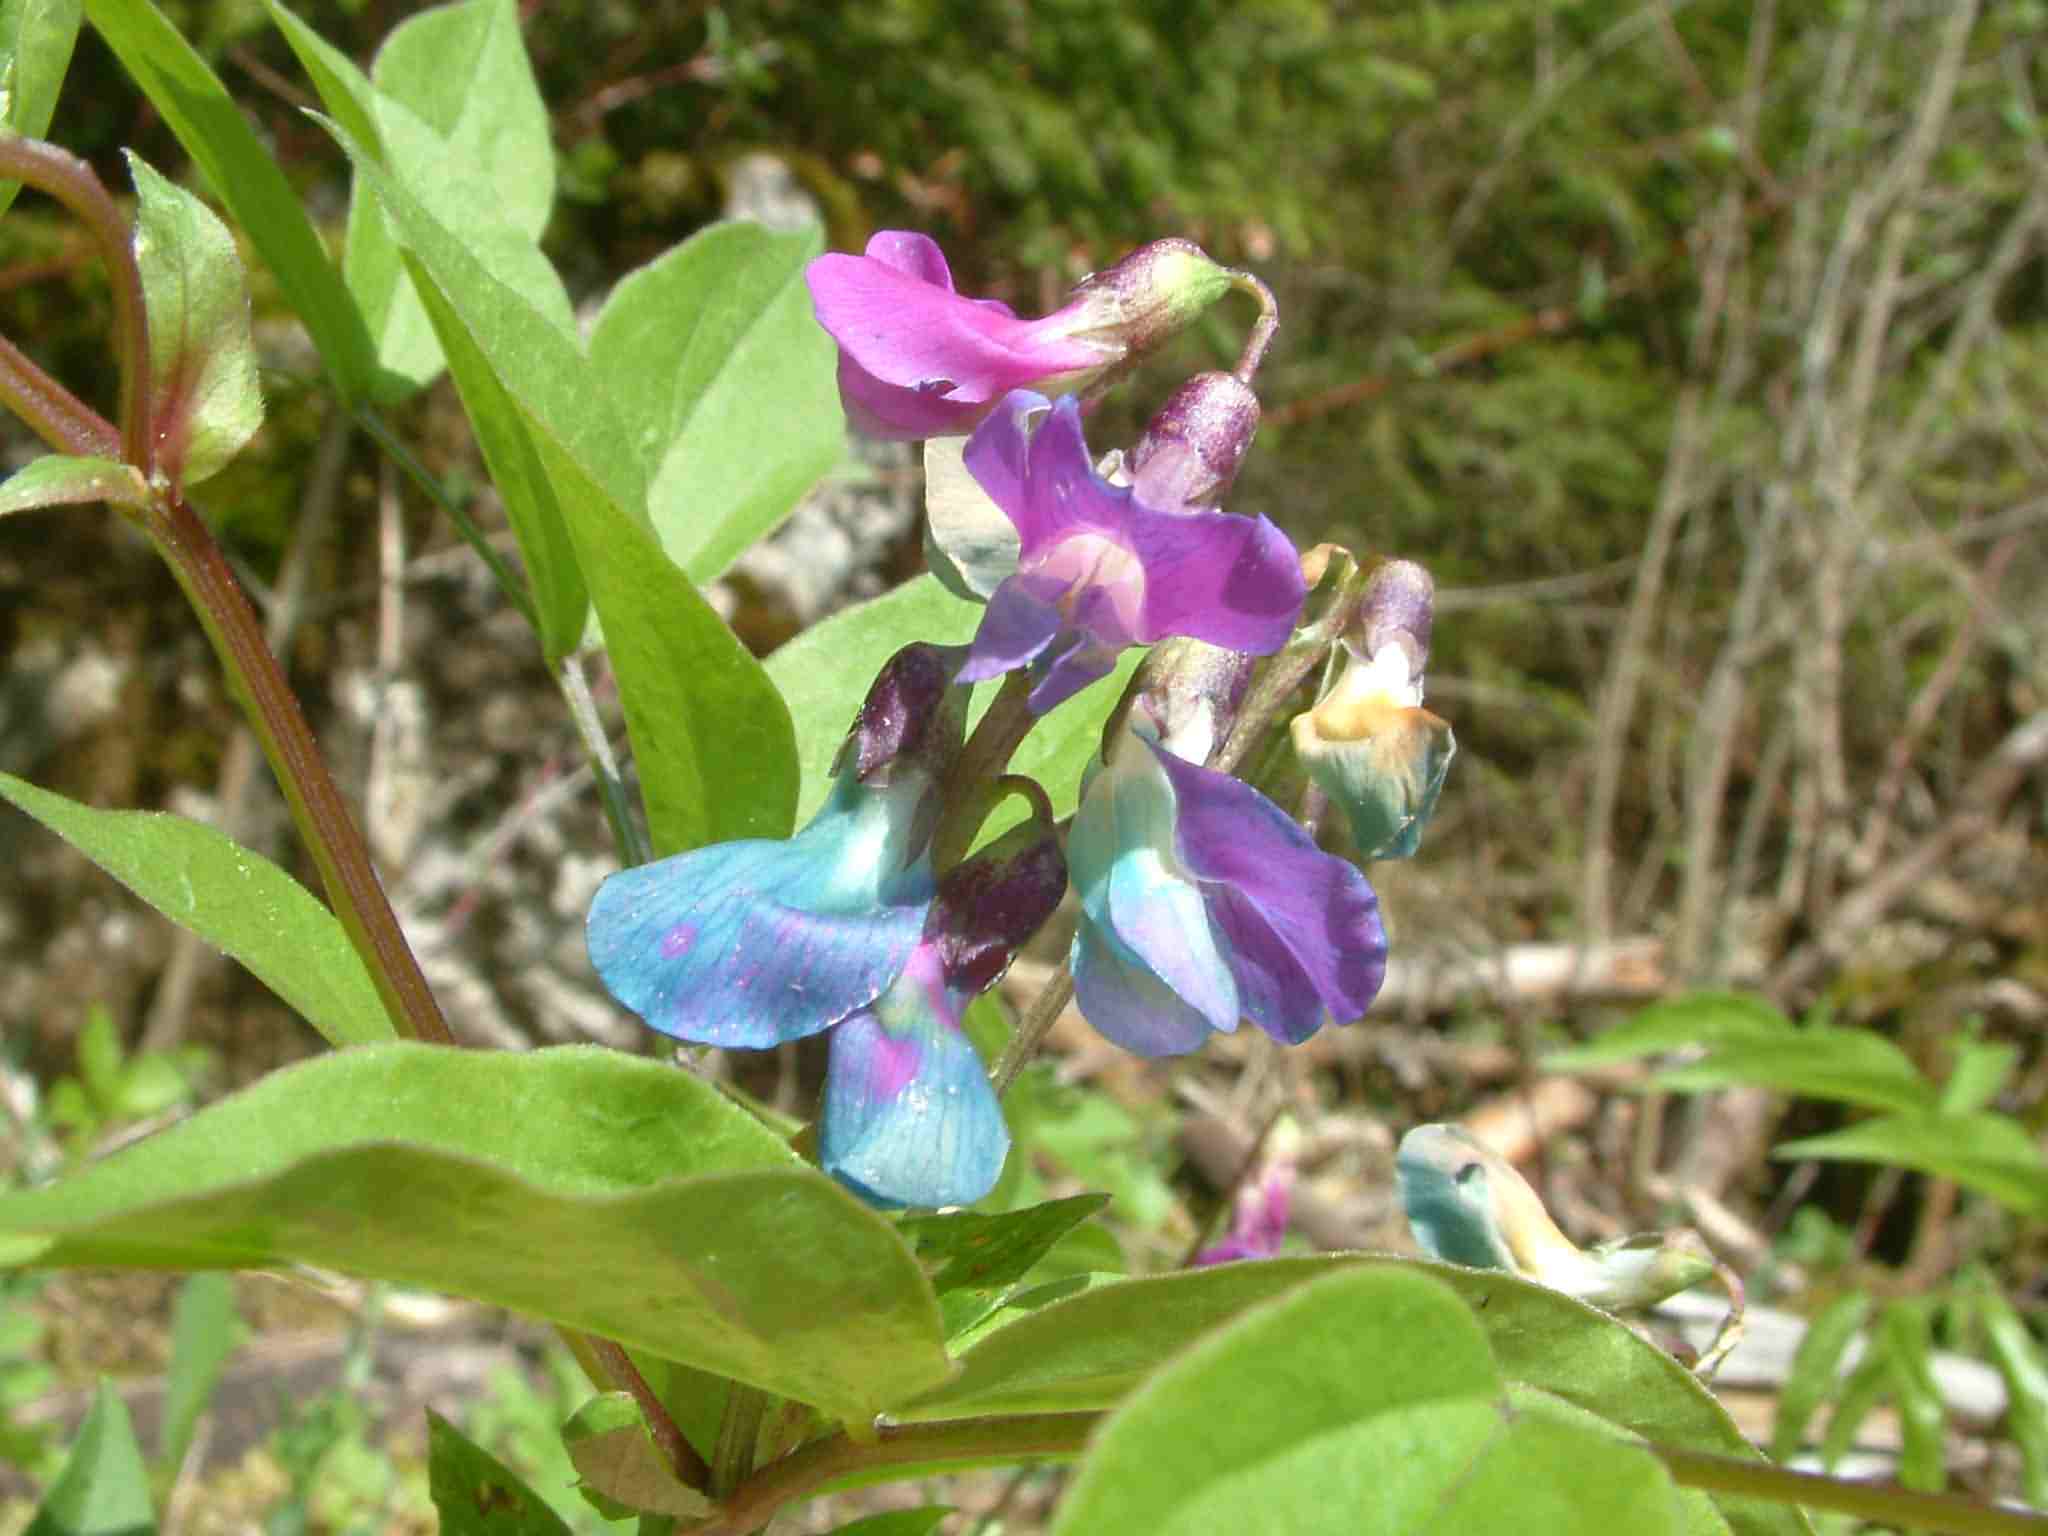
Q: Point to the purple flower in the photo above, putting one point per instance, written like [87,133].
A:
[917,359]
[1099,569]
[762,941]
[1203,902]
[910,1118]
[1258,1224]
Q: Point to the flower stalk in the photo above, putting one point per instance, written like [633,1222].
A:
[318,811]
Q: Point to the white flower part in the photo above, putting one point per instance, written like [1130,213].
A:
[1194,738]
[1387,674]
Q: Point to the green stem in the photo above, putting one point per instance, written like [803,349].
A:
[627,834]
[68,179]
[1884,1503]
[1007,721]
[1032,1029]
[507,579]
[739,1434]
[602,1361]
[52,412]
[318,811]
[803,1472]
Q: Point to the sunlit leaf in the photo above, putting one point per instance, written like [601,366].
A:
[236,900]
[203,399]
[587,1187]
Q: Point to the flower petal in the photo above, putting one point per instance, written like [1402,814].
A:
[909,1117]
[1297,918]
[1126,1003]
[916,358]
[1015,628]
[758,942]
[1233,581]
[1148,970]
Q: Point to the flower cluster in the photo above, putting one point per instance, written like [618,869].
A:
[1201,902]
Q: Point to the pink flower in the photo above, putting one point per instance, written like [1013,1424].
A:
[917,359]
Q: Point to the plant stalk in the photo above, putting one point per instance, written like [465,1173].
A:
[63,176]
[801,1473]
[318,810]
[51,411]
[1884,1503]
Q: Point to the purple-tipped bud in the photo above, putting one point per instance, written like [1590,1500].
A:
[1190,452]
[912,720]
[1369,743]
[1398,609]
[1146,298]
[990,904]
[1190,692]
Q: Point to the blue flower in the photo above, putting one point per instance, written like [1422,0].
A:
[1203,902]
[910,1118]
[763,941]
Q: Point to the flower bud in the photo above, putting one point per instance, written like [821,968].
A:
[1148,297]
[1190,692]
[1190,452]
[912,720]
[1369,743]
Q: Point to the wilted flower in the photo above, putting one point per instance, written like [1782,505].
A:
[1203,902]
[1375,751]
[1467,1205]
[909,1117]
[757,942]
[917,359]
[1100,569]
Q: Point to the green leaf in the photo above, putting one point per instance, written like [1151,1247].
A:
[204,1333]
[615,1455]
[104,1488]
[825,672]
[478,1495]
[204,403]
[1987,1152]
[2017,1354]
[1698,1019]
[61,480]
[1923,1415]
[36,37]
[484,162]
[211,127]
[712,742]
[463,123]
[1851,1066]
[232,898]
[1091,1350]
[897,1522]
[590,1188]
[977,1256]
[727,384]
[99,1057]
[1816,1367]
[973,1250]
[1362,1400]
[1981,1071]
[711,738]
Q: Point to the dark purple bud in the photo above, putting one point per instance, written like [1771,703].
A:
[1397,609]
[1190,452]
[913,719]
[990,904]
